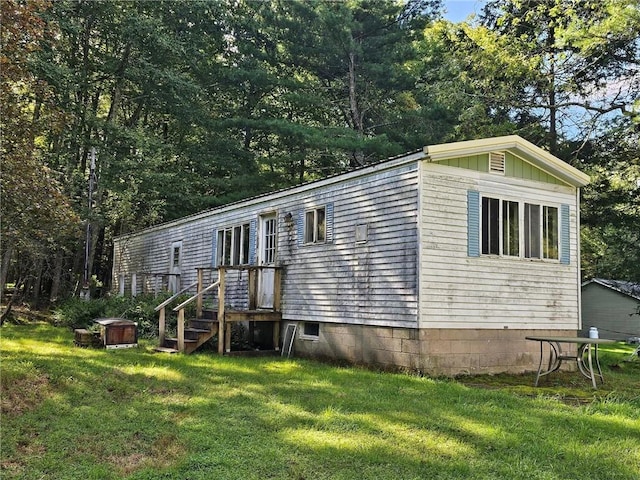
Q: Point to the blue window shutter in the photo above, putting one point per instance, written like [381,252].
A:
[300,227]
[214,256]
[565,240]
[328,218]
[473,223]
[252,241]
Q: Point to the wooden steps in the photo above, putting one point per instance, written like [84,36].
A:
[197,332]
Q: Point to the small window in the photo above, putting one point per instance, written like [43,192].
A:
[311,329]
[315,226]
[175,258]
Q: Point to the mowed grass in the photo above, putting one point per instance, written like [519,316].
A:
[76,413]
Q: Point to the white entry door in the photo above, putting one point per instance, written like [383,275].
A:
[267,241]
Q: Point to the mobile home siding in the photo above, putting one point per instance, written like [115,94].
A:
[462,291]
[343,281]
[372,282]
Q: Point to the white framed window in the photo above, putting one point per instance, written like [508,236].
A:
[502,222]
[233,245]
[315,226]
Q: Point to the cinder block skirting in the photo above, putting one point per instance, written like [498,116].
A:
[434,351]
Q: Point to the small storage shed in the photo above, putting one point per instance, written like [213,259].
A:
[612,307]
[118,332]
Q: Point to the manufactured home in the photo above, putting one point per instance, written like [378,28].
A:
[441,260]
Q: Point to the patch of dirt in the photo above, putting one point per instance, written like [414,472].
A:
[23,394]
[162,454]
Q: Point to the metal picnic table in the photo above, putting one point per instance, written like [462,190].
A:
[556,355]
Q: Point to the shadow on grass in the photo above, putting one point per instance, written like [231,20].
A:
[139,415]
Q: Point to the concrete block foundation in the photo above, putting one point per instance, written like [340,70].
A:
[436,351]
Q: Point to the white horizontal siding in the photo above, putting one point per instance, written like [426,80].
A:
[374,283]
[457,291]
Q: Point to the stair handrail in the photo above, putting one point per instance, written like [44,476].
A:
[174,296]
[196,295]
[180,310]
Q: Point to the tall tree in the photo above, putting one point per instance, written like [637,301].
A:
[36,215]
[585,57]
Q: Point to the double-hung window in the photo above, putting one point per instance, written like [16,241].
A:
[233,245]
[504,220]
[315,227]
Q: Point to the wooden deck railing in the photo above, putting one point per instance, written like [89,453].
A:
[161,308]
[224,333]
[197,296]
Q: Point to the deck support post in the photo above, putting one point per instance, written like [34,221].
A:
[221,324]
[199,289]
[277,291]
[181,330]
[161,327]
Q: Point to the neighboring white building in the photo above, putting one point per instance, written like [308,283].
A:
[441,260]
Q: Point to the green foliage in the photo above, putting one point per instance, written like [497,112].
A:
[77,313]
[196,104]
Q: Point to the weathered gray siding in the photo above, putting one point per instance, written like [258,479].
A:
[372,283]
[458,291]
[611,312]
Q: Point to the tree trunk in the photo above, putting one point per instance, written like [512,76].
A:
[57,276]
[357,159]
[4,269]
[553,109]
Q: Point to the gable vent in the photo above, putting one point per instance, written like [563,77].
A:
[496,162]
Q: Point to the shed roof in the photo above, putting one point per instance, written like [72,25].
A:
[631,289]
[518,146]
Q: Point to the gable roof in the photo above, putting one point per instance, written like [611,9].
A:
[631,289]
[518,146]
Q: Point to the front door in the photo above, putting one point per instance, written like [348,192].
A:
[267,258]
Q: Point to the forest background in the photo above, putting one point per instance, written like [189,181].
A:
[194,104]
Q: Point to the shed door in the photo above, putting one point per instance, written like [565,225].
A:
[267,241]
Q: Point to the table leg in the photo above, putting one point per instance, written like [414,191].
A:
[593,377]
[555,360]
[598,363]
[539,365]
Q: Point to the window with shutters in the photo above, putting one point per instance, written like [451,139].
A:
[233,245]
[519,229]
[315,226]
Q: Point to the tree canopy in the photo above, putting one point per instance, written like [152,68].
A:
[193,104]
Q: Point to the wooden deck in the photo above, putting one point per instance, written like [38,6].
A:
[209,323]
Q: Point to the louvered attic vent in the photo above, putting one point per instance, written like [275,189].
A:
[496,162]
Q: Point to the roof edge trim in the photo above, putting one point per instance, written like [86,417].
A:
[530,152]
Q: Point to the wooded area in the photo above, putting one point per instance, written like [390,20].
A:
[193,104]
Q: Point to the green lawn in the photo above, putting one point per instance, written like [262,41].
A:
[75,413]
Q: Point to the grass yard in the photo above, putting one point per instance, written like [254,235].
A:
[75,413]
